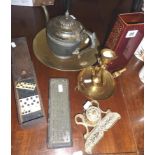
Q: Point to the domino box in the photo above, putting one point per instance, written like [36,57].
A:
[28,100]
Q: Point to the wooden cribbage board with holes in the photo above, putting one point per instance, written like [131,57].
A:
[29,104]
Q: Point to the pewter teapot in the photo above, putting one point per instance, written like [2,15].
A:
[67,37]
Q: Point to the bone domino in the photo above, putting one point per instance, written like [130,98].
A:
[25,85]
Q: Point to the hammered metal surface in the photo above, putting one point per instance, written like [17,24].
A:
[64,28]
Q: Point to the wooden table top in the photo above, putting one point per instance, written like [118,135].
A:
[125,138]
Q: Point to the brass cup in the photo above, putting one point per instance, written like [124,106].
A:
[107,55]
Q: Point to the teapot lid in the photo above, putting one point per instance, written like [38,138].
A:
[65,28]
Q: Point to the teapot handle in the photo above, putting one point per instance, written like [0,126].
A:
[94,43]
[92,37]
[46,13]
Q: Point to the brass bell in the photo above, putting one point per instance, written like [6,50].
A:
[96,82]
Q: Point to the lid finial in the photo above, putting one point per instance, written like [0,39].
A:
[67,13]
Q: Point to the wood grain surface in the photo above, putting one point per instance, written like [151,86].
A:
[125,138]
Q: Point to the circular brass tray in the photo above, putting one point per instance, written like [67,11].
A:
[46,56]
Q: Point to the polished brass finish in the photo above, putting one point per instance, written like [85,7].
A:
[101,84]
[107,55]
[118,73]
[96,82]
[75,63]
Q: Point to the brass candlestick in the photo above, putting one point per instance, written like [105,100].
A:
[96,82]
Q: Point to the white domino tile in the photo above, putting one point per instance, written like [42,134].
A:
[30,104]
[25,85]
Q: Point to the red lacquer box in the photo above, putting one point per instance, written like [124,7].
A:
[126,35]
